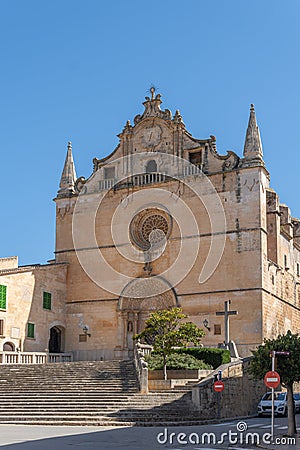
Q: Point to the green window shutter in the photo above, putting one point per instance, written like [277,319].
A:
[30,330]
[46,300]
[2,297]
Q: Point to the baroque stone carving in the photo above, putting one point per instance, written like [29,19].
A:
[79,184]
[147,294]
[152,109]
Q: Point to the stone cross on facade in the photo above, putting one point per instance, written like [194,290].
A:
[226,313]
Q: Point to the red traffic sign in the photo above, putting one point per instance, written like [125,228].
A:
[219,386]
[272,379]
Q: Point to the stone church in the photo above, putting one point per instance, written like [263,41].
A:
[162,221]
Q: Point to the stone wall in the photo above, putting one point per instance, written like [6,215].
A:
[180,374]
[239,398]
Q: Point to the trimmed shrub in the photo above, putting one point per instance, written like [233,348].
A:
[212,356]
[176,361]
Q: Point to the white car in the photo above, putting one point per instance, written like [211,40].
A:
[280,404]
[297,402]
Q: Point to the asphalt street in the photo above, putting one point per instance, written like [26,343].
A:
[247,434]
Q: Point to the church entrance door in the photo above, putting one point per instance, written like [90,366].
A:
[55,340]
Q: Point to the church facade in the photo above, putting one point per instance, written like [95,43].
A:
[162,221]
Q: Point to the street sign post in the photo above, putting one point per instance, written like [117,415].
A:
[272,379]
[218,386]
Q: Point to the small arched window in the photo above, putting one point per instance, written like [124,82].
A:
[151,166]
[8,347]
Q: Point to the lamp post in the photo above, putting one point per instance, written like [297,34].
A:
[85,330]
[205,323]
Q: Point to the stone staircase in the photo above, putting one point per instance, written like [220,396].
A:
[87,393]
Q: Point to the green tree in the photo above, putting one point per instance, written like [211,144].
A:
[165,329]
[287,367]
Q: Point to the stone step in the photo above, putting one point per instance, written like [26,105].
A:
[68,386]
[102,422]
[89,399]
[86,393]
[139,417]
[151,412]
[45,392]
[98,402]
[129,412]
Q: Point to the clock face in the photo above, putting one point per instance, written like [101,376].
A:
[151,136]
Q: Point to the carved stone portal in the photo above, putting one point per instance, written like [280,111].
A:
[138,300]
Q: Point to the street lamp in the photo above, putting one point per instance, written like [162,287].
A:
[85,329]
[205,323]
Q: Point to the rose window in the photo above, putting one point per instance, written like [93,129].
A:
[150,228]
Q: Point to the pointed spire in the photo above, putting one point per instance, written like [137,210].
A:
[253,147]
[68,177]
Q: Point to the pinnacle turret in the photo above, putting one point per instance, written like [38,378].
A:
[253,147]
[68,177]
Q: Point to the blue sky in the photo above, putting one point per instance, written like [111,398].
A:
[77,70]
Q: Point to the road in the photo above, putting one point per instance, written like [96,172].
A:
[235,434]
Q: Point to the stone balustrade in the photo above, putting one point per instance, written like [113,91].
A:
[106,184]
[60,357]
[144,179]
[145,349]
[139,352]
[34,357]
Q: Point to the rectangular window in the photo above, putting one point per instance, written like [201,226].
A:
[1,327]
[195,158]
[217,329]
[82,338]
[2,297]
[15,333]
[109,173]
[30,330]
[46,300]
[298,270]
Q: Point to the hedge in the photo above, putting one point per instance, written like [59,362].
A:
[176,361]
[215,357]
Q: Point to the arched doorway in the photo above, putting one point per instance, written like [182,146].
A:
[151,166]
[8,347]
[55,340]
[139,298]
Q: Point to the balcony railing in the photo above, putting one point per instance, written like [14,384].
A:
[148,178]
[34,357]
[144,179]
[105,185]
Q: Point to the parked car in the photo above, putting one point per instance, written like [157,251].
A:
[280,403]
[297,401]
